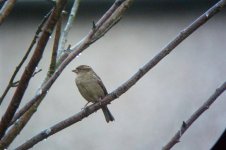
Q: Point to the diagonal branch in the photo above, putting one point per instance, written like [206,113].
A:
[128,84]
[6,10]
[52,65]
[176,138]
[11,81]
[30,68]
[115,18]
[18,126]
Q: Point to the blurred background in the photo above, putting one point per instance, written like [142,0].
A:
[152,111]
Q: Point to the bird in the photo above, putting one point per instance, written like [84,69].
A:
[91,88]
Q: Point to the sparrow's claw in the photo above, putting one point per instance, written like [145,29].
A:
[85,106]
[100,103]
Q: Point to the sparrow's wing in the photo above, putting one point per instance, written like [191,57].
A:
[99,81]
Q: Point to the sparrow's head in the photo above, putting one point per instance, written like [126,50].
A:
[82,69]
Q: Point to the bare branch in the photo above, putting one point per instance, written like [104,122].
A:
[85,42]
[28,72]
[15,84]
[11,84]
[6,10]
[36,72]
[18,126]
[115,18]
[63,38]
[128,84]
[176,138]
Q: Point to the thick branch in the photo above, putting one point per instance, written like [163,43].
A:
[6,9]
[128,84]
[30,68]
[18,126]
[176,138]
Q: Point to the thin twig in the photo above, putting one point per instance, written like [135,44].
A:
[115,18]
[128,84]
[11,84]
[15,84]
[64,34]
[28,72]
[185,125]
[36,72]
[94,107]
[101,24]
[52,65]
[6,10]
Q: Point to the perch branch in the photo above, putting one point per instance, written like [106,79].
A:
[30,68]
[185,125]
[128,84]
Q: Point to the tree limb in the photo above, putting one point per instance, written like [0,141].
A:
[6,10]
[185,125]
[18,126]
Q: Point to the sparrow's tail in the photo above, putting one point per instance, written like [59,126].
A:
[107,114]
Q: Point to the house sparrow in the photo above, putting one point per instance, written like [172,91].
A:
[91,87]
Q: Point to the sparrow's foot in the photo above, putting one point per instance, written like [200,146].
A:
[85,106]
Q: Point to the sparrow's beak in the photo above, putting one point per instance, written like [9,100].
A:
[75,71]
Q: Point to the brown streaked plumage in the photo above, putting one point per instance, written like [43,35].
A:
[91,87]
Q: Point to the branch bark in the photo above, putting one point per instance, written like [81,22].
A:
[128,84]
[185,125]
[29,70]
[6,10]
